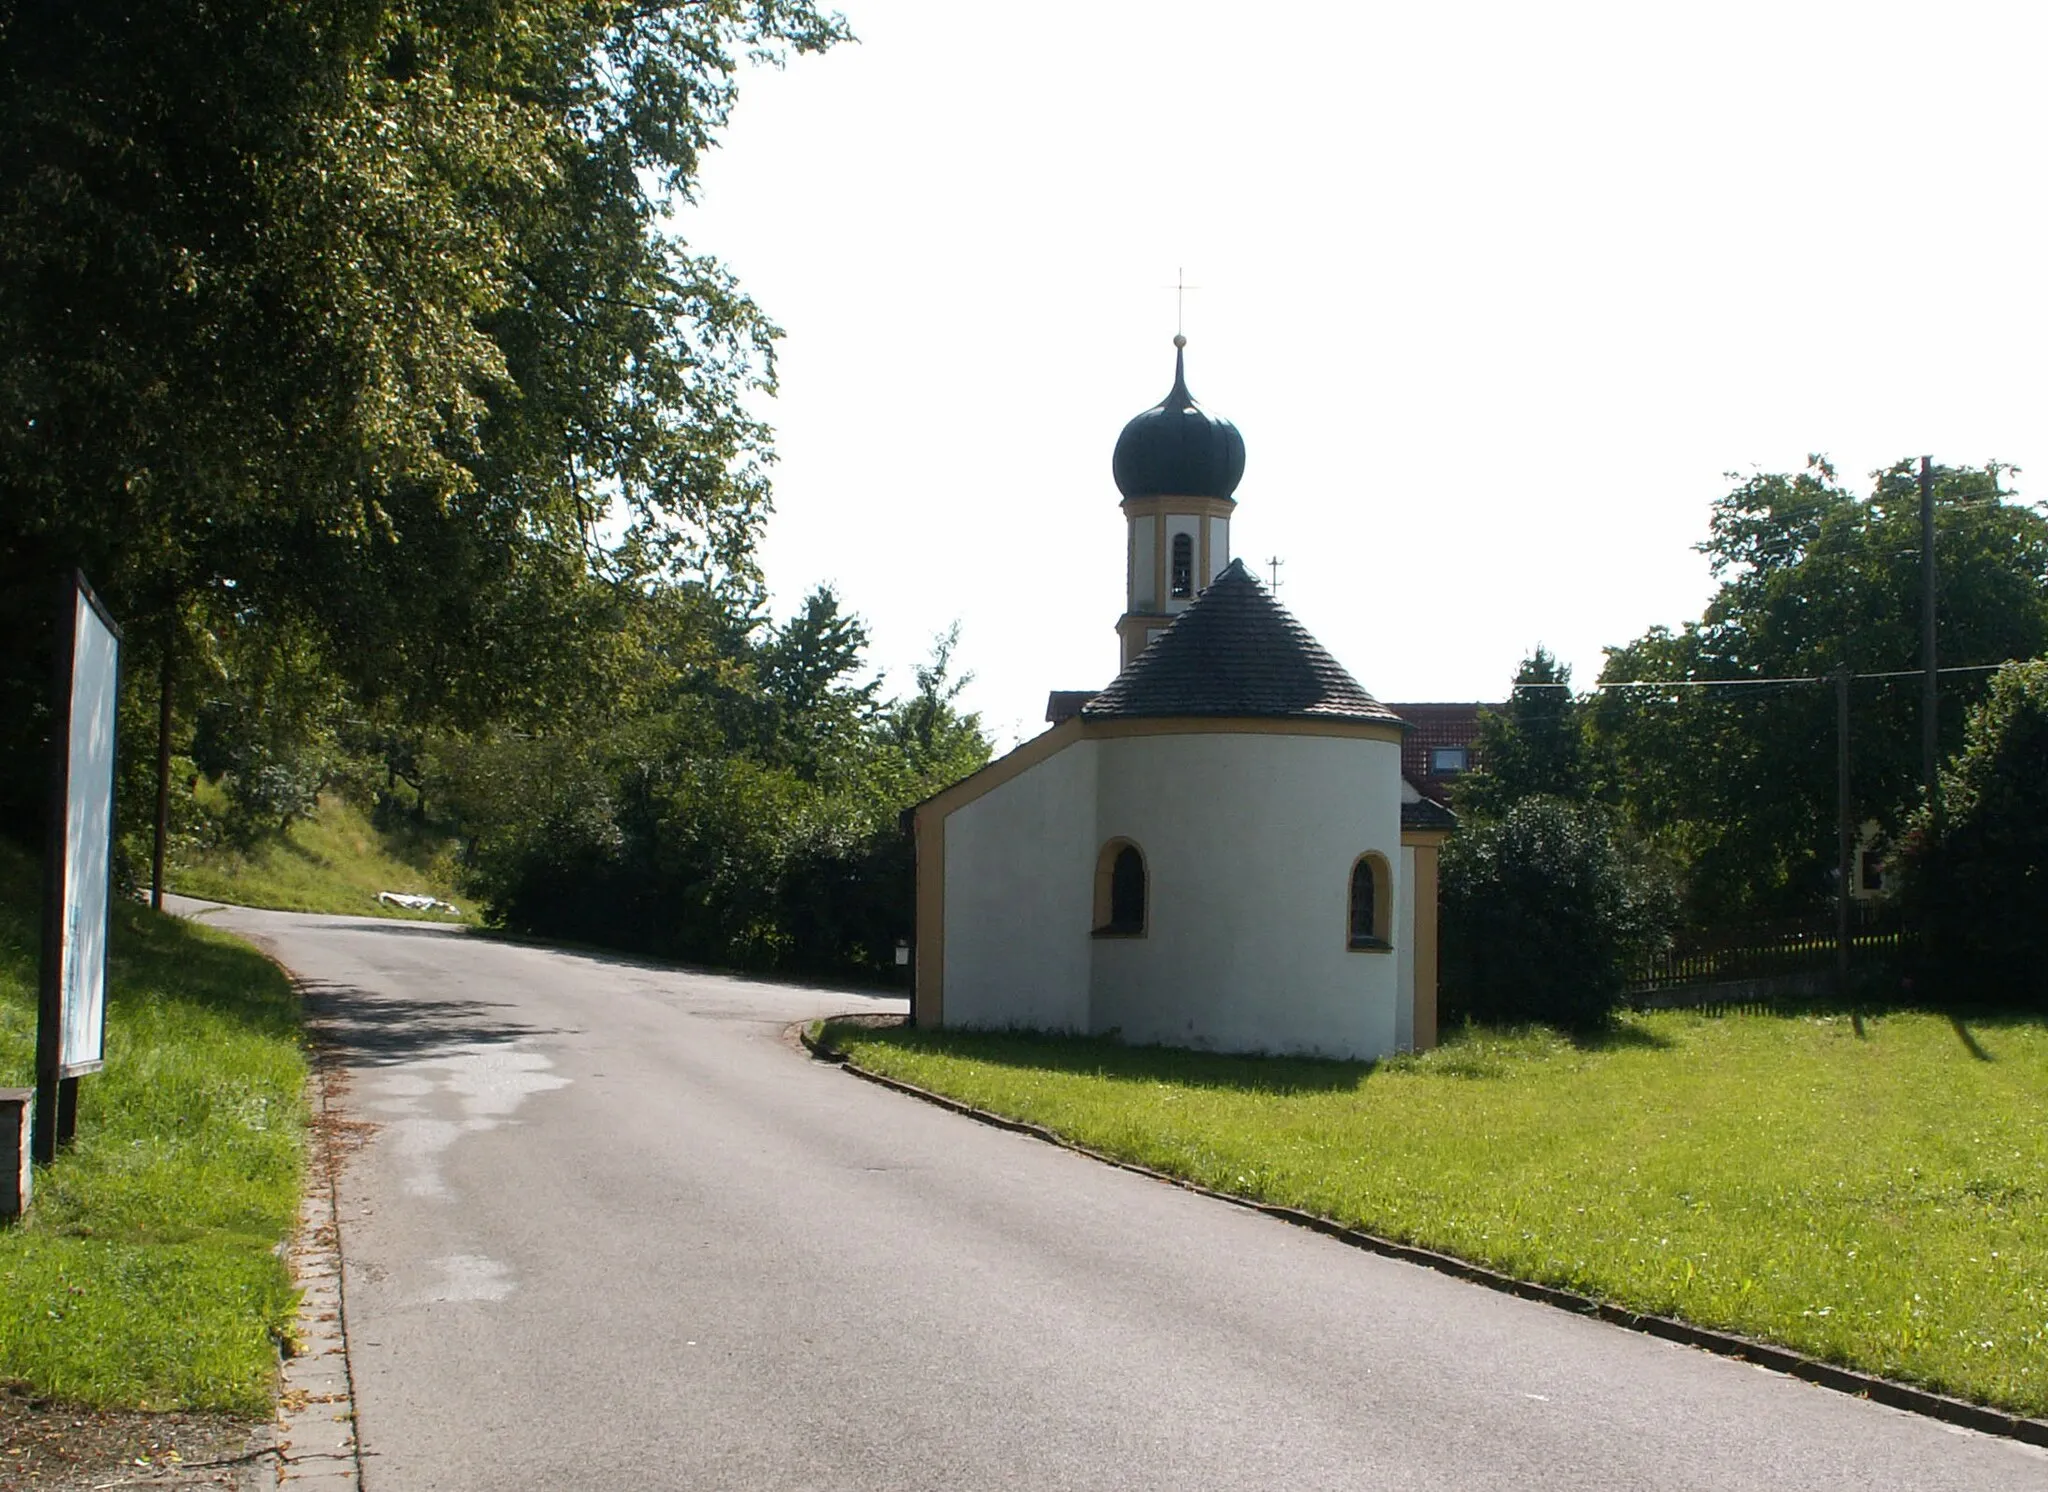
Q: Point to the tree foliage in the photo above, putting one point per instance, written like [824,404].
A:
[364,318]
[688,830]
[351,349]
[1976,876]
[1739,783]
[1534,747]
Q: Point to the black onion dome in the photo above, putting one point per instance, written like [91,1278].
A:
[1178,449]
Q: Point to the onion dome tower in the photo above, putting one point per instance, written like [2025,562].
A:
[1176,465]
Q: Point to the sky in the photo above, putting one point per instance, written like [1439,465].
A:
[1497,293]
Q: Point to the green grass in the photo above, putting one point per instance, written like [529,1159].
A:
[147,1274]
[335,861]
[1878,1200]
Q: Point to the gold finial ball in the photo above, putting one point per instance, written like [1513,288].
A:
[1179,340]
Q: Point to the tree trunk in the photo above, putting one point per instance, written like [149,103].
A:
[165,676]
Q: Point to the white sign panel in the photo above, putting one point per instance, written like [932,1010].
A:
[88,837]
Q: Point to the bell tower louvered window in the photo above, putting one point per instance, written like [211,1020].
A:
[1183,566]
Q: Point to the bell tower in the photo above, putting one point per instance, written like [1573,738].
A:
[1176,466]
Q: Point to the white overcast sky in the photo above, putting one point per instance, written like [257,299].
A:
[1495,292]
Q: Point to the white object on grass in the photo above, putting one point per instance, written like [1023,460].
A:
[413,902]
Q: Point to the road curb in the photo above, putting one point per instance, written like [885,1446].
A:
[316,1414]
[312,1434]
[1887,1391]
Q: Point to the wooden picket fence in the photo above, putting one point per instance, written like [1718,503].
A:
[1793,952]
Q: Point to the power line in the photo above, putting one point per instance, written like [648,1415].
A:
[1826,678]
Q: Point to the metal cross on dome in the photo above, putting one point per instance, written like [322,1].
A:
[1181,287]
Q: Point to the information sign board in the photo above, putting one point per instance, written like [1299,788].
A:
[71,1017]
[88,833]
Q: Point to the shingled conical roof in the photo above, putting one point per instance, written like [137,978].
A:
[1235,652]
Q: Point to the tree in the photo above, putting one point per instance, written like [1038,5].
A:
[740,804]
[939,744]
[815,714]
[1976,876]
[1534,747]
[363,316]
[1739,782]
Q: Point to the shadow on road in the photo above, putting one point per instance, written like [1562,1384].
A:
[614,958]
[400,929]
[370,1030]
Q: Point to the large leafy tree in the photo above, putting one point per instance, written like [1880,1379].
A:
[365,316]
[1739,781]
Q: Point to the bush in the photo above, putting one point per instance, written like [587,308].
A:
[272,768]
[1544,914]
[1976,885]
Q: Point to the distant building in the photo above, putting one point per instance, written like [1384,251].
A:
[1217,850]
[1442,745]
[1875,877]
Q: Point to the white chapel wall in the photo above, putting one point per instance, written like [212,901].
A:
[1219,549]
[1249,841]
[1020,893]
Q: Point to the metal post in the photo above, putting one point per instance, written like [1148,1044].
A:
[1842,855]
[1930,735]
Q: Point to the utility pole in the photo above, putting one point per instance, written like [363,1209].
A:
[1842,855]
[1930,704]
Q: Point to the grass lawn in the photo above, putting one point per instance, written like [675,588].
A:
[146,1275]
[335,861]
[1879,1201]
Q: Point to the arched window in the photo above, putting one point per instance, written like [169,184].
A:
[1183,566]
[1120,891]
[1370,888]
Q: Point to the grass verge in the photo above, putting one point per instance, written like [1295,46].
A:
[335,861]
[1878,1201]
[148,1273]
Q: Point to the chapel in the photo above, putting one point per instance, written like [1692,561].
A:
[1218,850]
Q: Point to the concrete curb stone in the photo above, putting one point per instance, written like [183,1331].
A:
[315,1430]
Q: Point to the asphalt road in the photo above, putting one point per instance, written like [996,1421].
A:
[611,1230]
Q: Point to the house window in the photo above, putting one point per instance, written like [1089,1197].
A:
[1446,761]
[1120,891]
[1183,566]
[1370,888]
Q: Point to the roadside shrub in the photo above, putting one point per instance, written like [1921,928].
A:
[271,769]
[1976,887]
[1544,914]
